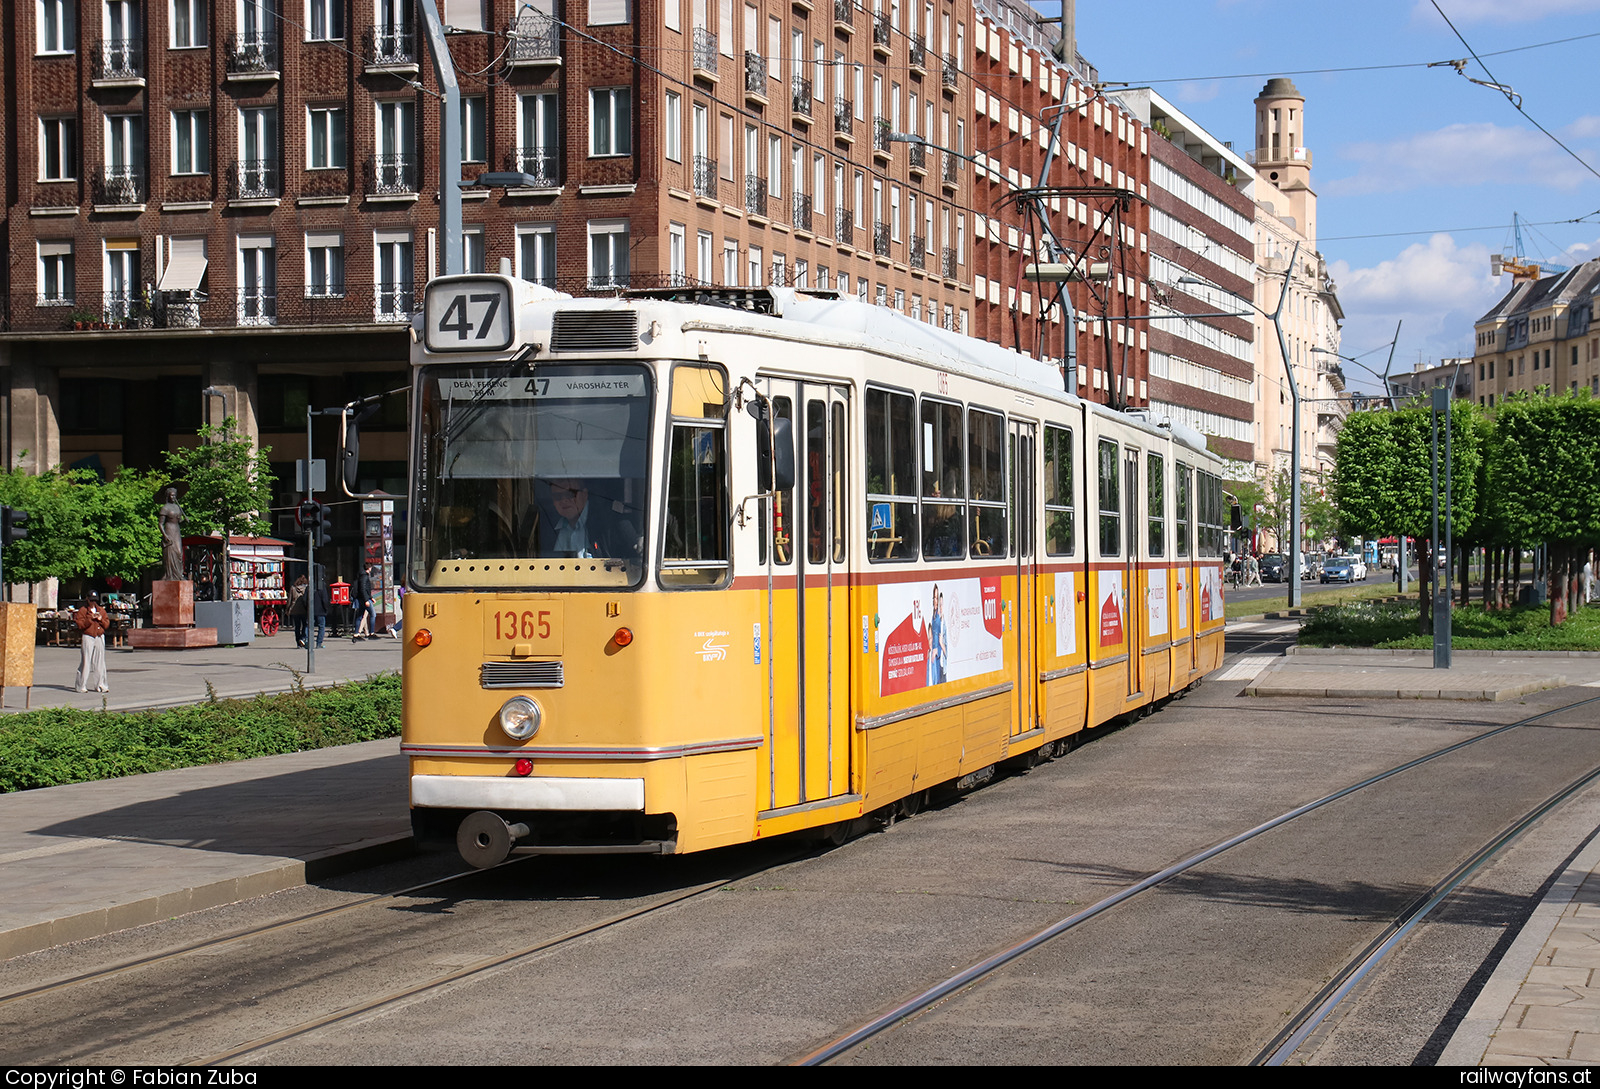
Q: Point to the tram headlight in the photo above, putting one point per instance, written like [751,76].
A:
[519,718]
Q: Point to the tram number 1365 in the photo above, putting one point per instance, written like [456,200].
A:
[504,629]
[469,316]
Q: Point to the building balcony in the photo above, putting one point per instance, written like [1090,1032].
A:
[392,175]
[919,252]
[705,177]
[755,195]
[117,186]
[116,62]
[844,225]
[947,74]
[543,164]
[389,48]
[394,302]
[800,213]
[703,47]
[880,239]
[919,54]
[917,158]
[844,16]
[535,39]
[258,306]
[880,35]
[127,309]
[339,303]
[251,56]
[843,121]
[880,138]
[947,172]
[800,100]
[779,276]
[254,179]
[947,263]
[755,78]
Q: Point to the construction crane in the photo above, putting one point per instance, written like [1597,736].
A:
[1522,270]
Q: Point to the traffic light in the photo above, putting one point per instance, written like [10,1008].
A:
[13,525]
[313,518]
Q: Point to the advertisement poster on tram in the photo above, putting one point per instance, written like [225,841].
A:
[1183,600]
[933,632]
[1110,611]
[1067,613]
[1210,594]
[1155,601]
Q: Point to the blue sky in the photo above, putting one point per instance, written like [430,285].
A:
[1402,150]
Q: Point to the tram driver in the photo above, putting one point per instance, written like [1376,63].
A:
[583,528]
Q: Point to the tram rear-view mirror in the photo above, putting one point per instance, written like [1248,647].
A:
[779,463]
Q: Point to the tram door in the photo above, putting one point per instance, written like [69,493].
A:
[808,607]
[1025,628]
[1132,594]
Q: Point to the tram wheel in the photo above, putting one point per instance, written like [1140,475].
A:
[912,803]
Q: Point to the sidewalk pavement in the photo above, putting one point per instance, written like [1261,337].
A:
[88,859]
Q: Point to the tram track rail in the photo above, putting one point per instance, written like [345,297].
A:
[844,1043]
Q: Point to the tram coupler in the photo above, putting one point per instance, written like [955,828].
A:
[485,839]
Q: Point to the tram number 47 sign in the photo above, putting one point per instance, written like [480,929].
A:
[468,315]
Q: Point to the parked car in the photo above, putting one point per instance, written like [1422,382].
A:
[1338,569]
[1274,567]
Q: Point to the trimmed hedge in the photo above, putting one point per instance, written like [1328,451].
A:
[1393,624]
[67,745]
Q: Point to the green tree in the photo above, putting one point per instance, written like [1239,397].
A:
[80,526]
[229,482]
[124,538]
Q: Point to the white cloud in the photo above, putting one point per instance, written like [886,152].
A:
[1481,153]
[1199,90]
[1498,11]
[1436,288]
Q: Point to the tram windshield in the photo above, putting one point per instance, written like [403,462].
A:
[531,478]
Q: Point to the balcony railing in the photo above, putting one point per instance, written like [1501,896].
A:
[537,37]
[542,163]
[755,195]
[780,274]
[880,239]
[947,77]
[117,185]
[126,308]
[391,46]
[393,175]
[843,122]
[254,54]
[704,46]
[947,263]
[947,173]
[880,134]
[705,177]
[258,306]
[844,12]
[801,212]
[880,31]
[117,59]
[919,52]
[394,302]
[917,156]
[919,252]
[843,224]
[755,73]
[253,179]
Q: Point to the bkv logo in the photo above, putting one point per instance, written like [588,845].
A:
[711,650]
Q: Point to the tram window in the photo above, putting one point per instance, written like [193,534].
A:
[816,483]
[1183,513]
[1060,530]
[1156,503]
[695,533]
[943,482]
[986,444]
[1110,500]
[891,428]
[836,495]
[782,521]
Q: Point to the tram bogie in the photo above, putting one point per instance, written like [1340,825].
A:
[686,576]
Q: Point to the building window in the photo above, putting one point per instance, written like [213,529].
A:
[396,160]
[673,120]
[191,142]
[730,263]
[55,273]
[608,253]
[472,249]
[474,143]
[121,277]
[325,135]
[325,266]
[392,269]
[55,26]
[610,121]
[677,255]
[258,152]
[537,146]
[324,20]
[258,281]
[536,253]
[704,258]
[58,149]
[610,12]
[753,274]
[189,24]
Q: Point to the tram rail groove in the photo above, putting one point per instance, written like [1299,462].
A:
[972,974]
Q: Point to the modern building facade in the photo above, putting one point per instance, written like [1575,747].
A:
[1541,335]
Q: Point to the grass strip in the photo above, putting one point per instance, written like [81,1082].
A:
[1393,624]
[60,745]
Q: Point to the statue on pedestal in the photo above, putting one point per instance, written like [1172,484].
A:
[171,535]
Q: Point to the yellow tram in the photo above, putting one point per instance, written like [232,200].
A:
[691,568]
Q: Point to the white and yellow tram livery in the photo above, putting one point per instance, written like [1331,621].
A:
[691,569]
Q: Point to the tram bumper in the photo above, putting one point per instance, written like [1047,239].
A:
[544,793]
[490,817]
